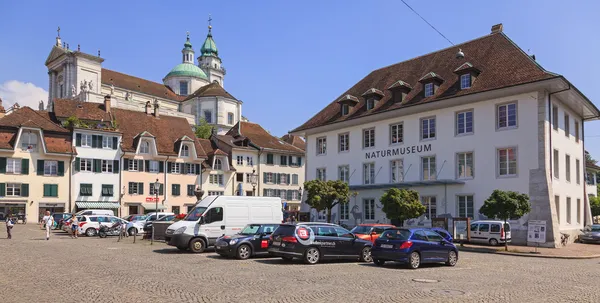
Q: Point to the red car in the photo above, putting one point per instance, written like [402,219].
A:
[370,232]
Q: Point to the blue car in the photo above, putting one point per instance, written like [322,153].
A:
[413,247]
[444,233]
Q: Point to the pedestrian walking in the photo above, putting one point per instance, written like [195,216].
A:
[9,226]
[74,227]
[48,220]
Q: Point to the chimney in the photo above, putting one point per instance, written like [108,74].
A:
[107,103]
[497,28]
[148,106]
[156,108]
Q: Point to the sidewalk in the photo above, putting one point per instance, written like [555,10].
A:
[571,251]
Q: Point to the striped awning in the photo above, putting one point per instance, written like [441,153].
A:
[97,205]
[152,206]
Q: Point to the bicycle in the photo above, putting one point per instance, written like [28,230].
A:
[564,239]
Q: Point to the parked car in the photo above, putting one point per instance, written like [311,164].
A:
[313,242]
[370,232]
[490,232]
[137,225]
[89,225]
[91,212]
[253,240]
[413,246]
[216,216]
[591,234]
[60,219]
[444,233]
[148,225]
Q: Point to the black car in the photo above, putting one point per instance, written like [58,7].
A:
[313,242]
[253,240]
[148,225]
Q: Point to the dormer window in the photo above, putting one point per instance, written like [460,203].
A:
[218,164]
[372,95]
[465,81]
[346,103]
[145,147]
[185,151]
[370,103]
[28,142]
[428,89]
[399,90]
[345,109]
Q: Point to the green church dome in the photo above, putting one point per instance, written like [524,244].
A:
[187,70]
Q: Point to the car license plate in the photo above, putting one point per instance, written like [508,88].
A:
[276,243]
[387,246]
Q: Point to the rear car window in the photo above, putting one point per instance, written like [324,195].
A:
[419,235]
[93,219]
[495,228]
[396,234]
[507,227]
[324,231]
[286,230]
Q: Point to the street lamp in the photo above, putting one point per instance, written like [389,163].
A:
[254,181]
[156,186]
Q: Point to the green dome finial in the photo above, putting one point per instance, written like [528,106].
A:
[187,44]
[209,48]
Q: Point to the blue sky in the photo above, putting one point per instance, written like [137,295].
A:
[287,60]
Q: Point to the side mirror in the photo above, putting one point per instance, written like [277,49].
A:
[374,233]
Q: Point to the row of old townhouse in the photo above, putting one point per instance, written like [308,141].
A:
[84,155]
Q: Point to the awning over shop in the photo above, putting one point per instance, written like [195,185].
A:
[407,184]
[13,201]
[52,204]
[97,205]
[152,206]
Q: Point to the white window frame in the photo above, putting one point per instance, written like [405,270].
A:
[399,129]
[218,164]
[464,199]
[568,167]
[154,166]
[344,211]
[507,124]
[13,166]
[181,85]
[240,160]
[185,150]
[369,173]
[50,168]
[283,179]
[321,146]
[230,118]
[555,117]
[89,167]
[191,168]
[133,165]
[556,163]
[578,171]
[567,122]
[176,168]
[578,211]
[426,163]
[369,209]
[430,203]
[462,158]
[144,147]
[423,136]
[153,190]
[397,170]
[345,109]
[107,166]
[294,179]
[499,164]
[569,211]
[429,91]
[28,139]
[368,138]
[343,142]
[216,193]
[207,114]
[322,173]
[107,142]
[216,179]
[344,173]
[249,161]
[576,126]
[86,140]
[465,81]
[464,131]
[13,189]
[370,103]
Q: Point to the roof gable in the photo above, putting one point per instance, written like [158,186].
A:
[261,138]
[211,90]
[28,117]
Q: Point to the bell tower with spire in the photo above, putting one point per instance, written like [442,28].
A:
[209,60]
[187,51]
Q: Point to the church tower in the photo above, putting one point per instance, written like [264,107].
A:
[209,60]
[185,78]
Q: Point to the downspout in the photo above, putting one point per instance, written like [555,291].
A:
[585,197]
[121,182]
[258,177]
[70,179]
[165,182]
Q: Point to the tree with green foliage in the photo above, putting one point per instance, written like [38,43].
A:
[203,129]
[506,205]
[588,158]
[324,195]
[402,204]
[595,206]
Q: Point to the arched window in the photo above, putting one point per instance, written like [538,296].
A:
[28,141]
[185,151]
[145,147]
[218,164]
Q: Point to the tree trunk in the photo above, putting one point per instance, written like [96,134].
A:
[329,215]
[505,237]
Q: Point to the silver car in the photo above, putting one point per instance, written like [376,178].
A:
[591,234]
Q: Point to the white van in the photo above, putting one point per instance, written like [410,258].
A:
[216,216]
[490,232]
[94,212]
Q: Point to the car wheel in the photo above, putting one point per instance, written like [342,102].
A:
[312,256]
[197,245]
[493,242]
[414,261]
[452,258]
[90,232]
[365,255]
[243,252]
[378,262]
[132,231]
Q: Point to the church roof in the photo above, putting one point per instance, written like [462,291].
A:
[139,85]
[211,90]
[501,61]
[187,70]
[209,48]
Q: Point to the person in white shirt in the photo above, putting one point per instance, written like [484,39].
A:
[49,221]
[9,226]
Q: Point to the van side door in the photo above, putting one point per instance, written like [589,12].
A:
[214,224]
[475,233]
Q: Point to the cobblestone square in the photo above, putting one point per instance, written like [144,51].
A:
[104,270]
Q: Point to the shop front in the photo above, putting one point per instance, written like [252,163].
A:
[13,207]
[51,207]
[114,206]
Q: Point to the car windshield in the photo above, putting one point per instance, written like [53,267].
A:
[595,228]
[363,230]
[138,218]
[396,234]
[250,229]
[195,214]
[167,218]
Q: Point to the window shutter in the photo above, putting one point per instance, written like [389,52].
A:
[77,164]
[147,165]
[46,190]
[78,140]
[61,168]
[55,190]
[169,167]
[40,167]
[289,195]
[161,190]
[94,141]
[290,160]
[125,164]
[264,192]
[24,190]
[131,185]
[278,181]
[115,142]
[116,166]
[161,166]
[197,169]
[141,188]
[264,177]
[3,165]
[99,143]
[24,166]
[299,161]
[184,168]
[140,165]
[288,179]
[97,165]
[190,190]
[2,189]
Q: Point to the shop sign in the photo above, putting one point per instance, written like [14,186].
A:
[151,199]
[391,152]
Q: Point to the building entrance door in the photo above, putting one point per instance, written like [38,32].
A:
[133,209]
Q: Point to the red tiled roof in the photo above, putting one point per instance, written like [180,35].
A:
[234,142]
[26,116]
[296,141]
[210,148]
[64,108]
[211,90]
[139,85]
[261,138]
[501,62]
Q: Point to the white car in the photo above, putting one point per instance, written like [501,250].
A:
[138,226]
[89,225]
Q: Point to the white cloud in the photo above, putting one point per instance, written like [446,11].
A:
[26,94]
